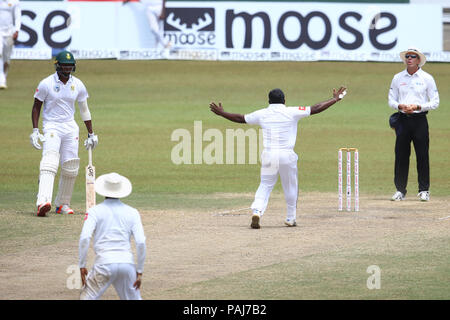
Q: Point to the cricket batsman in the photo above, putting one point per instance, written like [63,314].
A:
[57,94]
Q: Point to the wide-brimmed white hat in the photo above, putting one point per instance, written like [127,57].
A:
[113,185]
[422,57]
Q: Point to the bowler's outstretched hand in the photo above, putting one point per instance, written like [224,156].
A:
[340,94]
[217,109]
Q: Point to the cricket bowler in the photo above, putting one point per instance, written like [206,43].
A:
[279,126]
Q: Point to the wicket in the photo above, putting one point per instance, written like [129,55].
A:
[349,181]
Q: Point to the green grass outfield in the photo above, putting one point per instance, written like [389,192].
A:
[136,106]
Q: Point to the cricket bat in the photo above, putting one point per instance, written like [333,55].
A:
[90,180]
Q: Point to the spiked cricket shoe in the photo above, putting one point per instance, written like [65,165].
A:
[255,220]
[43,209]
[64,209]
[290,222]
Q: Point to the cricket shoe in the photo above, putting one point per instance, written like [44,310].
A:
[64,209]
[424,195]
[3,86]
[398,196]
[290,222]
[255,220]
[43,209]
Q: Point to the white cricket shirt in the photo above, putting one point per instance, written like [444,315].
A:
[113,223]
[152,2]
[59,98]
[418,88]
[279,124]
[10,17]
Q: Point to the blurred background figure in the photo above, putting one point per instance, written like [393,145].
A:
[155,10]
[10,15]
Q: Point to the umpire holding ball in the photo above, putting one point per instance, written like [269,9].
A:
[413,93]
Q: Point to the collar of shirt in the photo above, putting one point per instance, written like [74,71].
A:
[276,105]
[58,80]
[112,200]
[415,74]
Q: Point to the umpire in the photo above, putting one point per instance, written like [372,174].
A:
[413,93]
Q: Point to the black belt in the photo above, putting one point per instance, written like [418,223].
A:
[414,115]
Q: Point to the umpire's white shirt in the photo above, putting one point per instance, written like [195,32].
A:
[113,223]
[59,98]
[279,124]
[418,88]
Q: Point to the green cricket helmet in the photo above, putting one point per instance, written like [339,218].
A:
[65,62]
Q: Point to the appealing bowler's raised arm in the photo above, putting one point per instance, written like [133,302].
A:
[218,109]
[322,106]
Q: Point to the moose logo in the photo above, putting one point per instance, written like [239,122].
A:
[190,27]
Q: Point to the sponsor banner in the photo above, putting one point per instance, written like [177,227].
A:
[31,54]
[95,53]
[189,54]
[247,31]
[140,54]
[303,26]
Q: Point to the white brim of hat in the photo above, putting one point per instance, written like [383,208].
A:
[113,185]
[423,58]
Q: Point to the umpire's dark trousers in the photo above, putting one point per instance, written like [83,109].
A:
[413,128]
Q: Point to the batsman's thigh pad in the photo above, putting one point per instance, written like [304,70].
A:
[52,141]
[70,167]
[69,173]
[48,169]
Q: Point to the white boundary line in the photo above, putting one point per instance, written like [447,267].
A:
[444,218]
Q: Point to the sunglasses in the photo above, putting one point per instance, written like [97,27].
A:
[410,56]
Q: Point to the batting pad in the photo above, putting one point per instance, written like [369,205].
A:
[69,173]
[48,169]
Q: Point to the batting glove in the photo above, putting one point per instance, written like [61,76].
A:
[35,137]
[91,141]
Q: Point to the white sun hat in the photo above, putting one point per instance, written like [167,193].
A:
[113,185]
[422,57]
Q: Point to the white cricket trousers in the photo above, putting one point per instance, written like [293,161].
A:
[121,275]
[274,163]
[156,24]
[6,46]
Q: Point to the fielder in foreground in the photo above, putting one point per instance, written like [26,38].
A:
[279,124]
[112,223]
[58,93]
